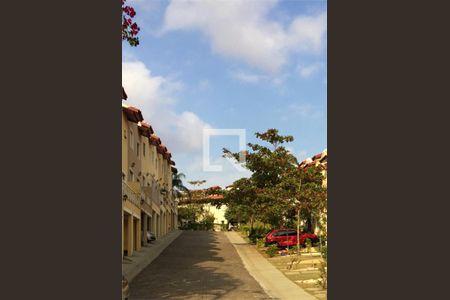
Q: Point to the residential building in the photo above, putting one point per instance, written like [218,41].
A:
[147,202]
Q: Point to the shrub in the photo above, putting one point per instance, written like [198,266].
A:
[308,244]
[272,250]
[324,252]
[258,232]
[323,274]
[244,229]
[293,250]
[260,243]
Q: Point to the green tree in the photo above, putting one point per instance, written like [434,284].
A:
[178,187]
[243,195]
[236,213]
[311,197]
[278,190]
[189,214]
[269,162]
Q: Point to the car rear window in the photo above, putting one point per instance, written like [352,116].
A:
[285,232]
[278,233]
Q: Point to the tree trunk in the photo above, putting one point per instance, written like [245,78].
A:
[252,221]
[309,224]
[298,232]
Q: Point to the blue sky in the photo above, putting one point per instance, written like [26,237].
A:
[249,65]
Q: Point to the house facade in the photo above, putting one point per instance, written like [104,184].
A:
[147,202]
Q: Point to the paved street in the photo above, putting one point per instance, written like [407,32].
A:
[197,265]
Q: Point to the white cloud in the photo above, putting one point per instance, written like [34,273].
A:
[241,30]
[180,131]
[276,81]
[307,71]
[227,176]
[155,96]
[246,77]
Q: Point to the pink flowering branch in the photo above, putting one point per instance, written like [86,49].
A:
[129,28]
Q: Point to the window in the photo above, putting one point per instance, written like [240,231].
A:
[285,233]
[130,176]
[137,149]
[131,139]
[143,149]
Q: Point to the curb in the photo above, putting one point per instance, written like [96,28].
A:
[273,281]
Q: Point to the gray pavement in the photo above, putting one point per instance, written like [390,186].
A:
[197,265]
[131,266]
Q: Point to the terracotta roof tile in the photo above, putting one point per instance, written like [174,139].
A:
[161,149]
[317,156]
[133,114]
[145,129]
[215,197]
[155,140]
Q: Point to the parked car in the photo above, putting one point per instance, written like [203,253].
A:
[125,288]
[232,227]
[288,237]
[150,237]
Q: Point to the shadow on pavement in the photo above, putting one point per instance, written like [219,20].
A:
[197,265]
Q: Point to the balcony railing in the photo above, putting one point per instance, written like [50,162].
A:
[130,194]
[145,205]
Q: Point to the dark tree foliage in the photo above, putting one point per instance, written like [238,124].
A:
[277,187]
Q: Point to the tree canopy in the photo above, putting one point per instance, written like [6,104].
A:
[277,186]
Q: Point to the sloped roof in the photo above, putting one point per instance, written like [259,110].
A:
[145,129]
[132,113]
[155,140]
